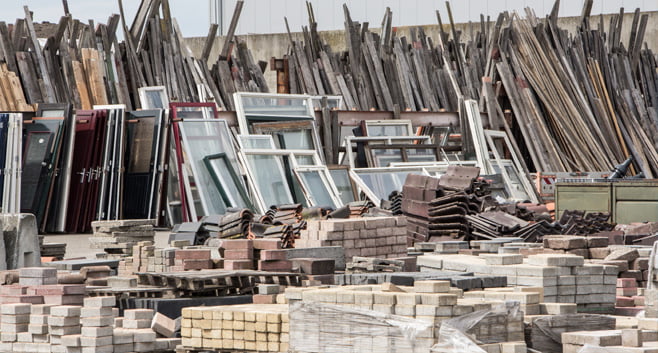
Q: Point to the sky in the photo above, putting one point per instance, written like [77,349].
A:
[266,16]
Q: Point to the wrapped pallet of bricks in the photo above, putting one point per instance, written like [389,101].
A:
[249,327]
[119,237]
[319,327]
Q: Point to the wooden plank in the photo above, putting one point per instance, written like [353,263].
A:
[49,96]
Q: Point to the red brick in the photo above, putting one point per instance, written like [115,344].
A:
[238,265]
[193,264]
[627,291]
[267,244]
[238,254]
[233,244]
[59,289]
[639,300]
[32,299]
[264,298]
[641,263]
[625,302]
[273,255]
[13,289]
[626,283]
[193,254]
[277,265]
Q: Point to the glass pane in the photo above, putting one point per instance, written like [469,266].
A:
[270,179]
[184,113]
[220,170]
[297,140]
[421,155]
[388,130]
[276,106]
[203,139]
[154,99]
[384,157]
[383,183]
[343,184]
[256,142]
[315,184]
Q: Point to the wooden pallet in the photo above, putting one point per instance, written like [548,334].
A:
[137,292]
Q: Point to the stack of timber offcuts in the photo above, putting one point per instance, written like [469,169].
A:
[119,237]
[368,237]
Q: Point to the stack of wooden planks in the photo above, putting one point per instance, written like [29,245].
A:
[582,101]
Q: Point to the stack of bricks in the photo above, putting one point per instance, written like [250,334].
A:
[38,285]
[39,323]
[163,260]
[15,321]
[138,321]
[63,321]
[118,237]
[369,237]
[192,259]
[618,341]
[564,277]
[631,262]
[543,331]
[97,320]
[588,247]
[250,327]
[629,302]
[248,254]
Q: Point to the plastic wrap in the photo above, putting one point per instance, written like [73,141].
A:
[326,328]
[461,334]
[596,349]
[545,331]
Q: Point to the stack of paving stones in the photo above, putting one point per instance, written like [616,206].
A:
[542,332]
[269,294]
[591,247]
[368,237]
[632,262]
[119,237]
[250,327]
[564,277]
[93,327]
[618,341]
[630,301]
[192,259]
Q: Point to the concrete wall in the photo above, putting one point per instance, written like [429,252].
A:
[265,46]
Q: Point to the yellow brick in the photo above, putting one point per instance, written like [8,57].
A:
[228,344]
[206,333]
[186,341]
[227,334]
[285,327]
[216,324]
[262,346]
[238,316]
[285,338]
[186,332]
[206,343]
[216,334]
[249,335]
[217,315]
[285,318]
[273,327]
[250,326]
[283,347]
[227,325]
[196,342]
[273,318]
[227,315]
[186,313]
[207,315]
[261,326]
[238,344]
[186,323]
[273,346]
[250,345]
[261,337]
[250,316]
[203,324]
[196,313]
[197,332]
[216,343]
[261,317]
[238,325]
[273,337]
[238,335]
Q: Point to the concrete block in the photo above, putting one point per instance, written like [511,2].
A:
[92,312]
[502,259]
[97,302]
[15,309]
[138,314]
[432,286]
[97,321]
[623,254]
[561,260]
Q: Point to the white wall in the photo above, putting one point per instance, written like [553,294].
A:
[266,16]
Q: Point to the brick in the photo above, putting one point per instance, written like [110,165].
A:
[143,335]
[238,254]
[97,302]
[313,266]
[76,299]
[264,298]
[502,259]
[238,265]
[432,286]
[266,244]
[599,253]
[98,349]
[13,289]
[97,331]
[97,321]
[92,312]
[65,310]
[163,325]
[122,336]
[597,242]
[15,319]
[232,244]
[64,330]
[95,341]
[555,260]
[136,324]
[61,289]
[565,242]
[276,265]
[623,254]
[269,289]
[631,338]
[266,255]
[63,320]
[138,314]
[193,264]
[15,309]
[37,272]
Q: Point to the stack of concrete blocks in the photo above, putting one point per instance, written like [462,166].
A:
[321,327]
[16,293]
[97,320]
[192,259]
[163,260]
[119,237]
[369,237]
[269,294]
[14,322]
[38,327]
[590,247]
[64,320]
[618,341]
[529,298]
[442,247]
[564,277]
[250,327]
[543,331]
[139,322]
